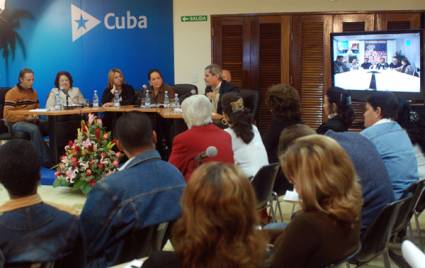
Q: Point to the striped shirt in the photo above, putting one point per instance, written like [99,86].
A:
[19,99]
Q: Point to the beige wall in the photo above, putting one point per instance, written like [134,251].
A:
[192,40]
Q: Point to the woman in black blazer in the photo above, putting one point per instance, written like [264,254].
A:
[116,83]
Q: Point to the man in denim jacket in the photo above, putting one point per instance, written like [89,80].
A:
[30,230]
[145,191]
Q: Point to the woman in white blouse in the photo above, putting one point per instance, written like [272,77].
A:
[248,148]
[69,95]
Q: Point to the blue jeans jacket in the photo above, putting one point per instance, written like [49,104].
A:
[146,192]
[395,148]
[40,233]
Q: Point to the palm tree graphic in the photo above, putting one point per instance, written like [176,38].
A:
[10,22]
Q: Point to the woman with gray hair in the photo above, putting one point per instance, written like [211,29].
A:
[189,147]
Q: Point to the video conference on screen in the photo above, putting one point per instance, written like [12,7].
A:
[382,62]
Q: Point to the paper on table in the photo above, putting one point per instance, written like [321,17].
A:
[38,110]
[135,263]
[414,256]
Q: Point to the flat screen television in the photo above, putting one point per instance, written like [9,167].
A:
[363,62]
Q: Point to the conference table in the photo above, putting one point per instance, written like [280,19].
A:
[63,124]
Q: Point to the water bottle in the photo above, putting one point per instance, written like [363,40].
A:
[166,100]
[147,99]
[95,99]
[116,99]
[176,101]
[58,104]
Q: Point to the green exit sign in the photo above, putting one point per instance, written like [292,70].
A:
[194,18]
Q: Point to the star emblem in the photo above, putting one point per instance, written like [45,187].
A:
[81,22]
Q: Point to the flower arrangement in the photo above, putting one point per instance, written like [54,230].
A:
[88,158]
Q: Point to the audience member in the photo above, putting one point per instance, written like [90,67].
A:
[381,64]
[340,66]
[337,107]
[373,176]
[354,65]
[32,231]
[395,63]
[284,103]
[227,75]
[218,223]
[366,64]
[68,94]
[144,192]
[327,227]
[391,141]
[202,133]
[248,148]
[216,86]
[414,124]
[24,97]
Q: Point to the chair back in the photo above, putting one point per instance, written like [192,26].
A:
[251,99]
[407,210]
[3,127]
[139,244]
[377,236]
[185,90]
[282,184]
[263,183]
[346,258]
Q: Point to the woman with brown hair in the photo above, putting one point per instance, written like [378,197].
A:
[284,103]
[218,223]
[327,227]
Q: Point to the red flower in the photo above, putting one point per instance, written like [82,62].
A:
[88,172]
[118,154]
[70,143]
[116,163]
[100,166]
[74,161]
[57,173]
[97,133]
[106,136]
[77,148]
[92,182]
[103,155]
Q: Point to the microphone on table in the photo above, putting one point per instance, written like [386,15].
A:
[211,151]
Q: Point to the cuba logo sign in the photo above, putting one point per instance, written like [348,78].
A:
[83,22]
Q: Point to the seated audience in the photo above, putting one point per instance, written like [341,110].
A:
[327,227]
[216,86]
[145,191]
[284,103]
[227,75]
[395,63]
[24,97]
[157,88]
[202,133]
[373,176]
[381,64]
[248,148]
[337,107]
[218,223]
[116,83]
[366,64]
[31,230]
[406,67]
[414,124]
[391,141]
[69,95]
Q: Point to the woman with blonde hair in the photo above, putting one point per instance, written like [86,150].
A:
[218,223]
[327,227]
[116,85]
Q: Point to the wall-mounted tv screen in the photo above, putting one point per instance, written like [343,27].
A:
[378,61]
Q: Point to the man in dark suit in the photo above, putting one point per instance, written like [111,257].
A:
[216,86]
